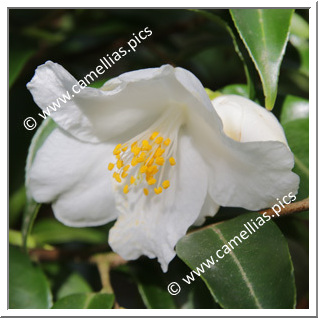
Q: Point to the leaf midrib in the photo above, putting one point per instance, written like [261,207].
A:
[238,264]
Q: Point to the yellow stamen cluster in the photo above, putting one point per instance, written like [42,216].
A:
[149,155]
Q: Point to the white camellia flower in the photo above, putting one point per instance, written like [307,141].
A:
[150,150]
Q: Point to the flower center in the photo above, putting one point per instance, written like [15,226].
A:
[141,161]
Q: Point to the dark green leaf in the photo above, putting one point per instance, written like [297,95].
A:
[74,284]
[297,134]
[17,60]
[16,205]
[51,231]
[151,286]
[29,288]
[294,108]
[257,273]
[85,301]
[265,34]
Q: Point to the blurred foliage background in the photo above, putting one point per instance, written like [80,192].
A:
[77,39]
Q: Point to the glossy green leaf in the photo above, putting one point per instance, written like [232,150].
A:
[17,60]
[85,301]
[32,207]
[299,35]
[297,134]
[151,286]
[265,34]
[294,108]
[74,284]
[28,287]
[16,204]
[235,89]
[256,272]
[299,26]
[51,231]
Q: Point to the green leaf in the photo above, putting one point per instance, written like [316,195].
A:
[299,35]
[32,207]
[18,58]
[16,204]
[256,273]
[29,288]
[51,231]
[297,134]
[74,284]
[15,238]
[151,286]
[85,301]
[236,89]
[265,34]
[239,49]
[294,108]
[299,27]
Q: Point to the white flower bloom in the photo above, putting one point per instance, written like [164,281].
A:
[149,149]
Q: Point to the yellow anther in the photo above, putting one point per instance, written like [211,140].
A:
[150,162]
[172,161]
[133,145]
[111,166]
[158,190]
[167,142]
[115,174]
[160,161]
[145,145]
[166,184]
[134,161]
[152,181]
[126,190]
[159,152]
[117,178]
[142,157]
[136,150]
[143,169]
[117,150]
[126,168]
[159,140]
[119,164]
[152,170]
[118,156]
[146,192]
[124,149]
[154,135]
[132,180]
[124,174]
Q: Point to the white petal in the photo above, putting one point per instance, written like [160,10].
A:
[253,175]
[210,208]
[50,82]
[74,176]
[243,120]
[152,225]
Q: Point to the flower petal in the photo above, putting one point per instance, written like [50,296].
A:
[210,208]
[49,83]
[243,120]
[74,176]
[152,225]
[250,174]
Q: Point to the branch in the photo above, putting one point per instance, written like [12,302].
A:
[291,208]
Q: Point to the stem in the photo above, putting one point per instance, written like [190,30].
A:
[291,208]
